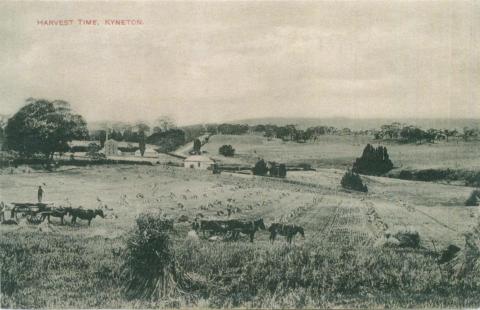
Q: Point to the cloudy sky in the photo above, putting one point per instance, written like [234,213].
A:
[218,61]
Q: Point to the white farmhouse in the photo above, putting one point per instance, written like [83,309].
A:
[198,162]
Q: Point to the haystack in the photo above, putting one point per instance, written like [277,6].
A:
[408,239]
[467,261]
[182,218]
[400,239]
[151,268]
[448,254]
[192,234]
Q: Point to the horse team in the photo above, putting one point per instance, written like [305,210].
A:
[75,213]
[39,212]
[233,227]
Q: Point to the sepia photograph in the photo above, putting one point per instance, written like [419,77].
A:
[239,154]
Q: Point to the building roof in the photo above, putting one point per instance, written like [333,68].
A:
[122,143]
[147,150]
[199,158]
[82,143]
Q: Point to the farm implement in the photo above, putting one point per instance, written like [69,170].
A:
[35,213]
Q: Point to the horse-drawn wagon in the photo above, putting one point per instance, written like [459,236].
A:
[33,211]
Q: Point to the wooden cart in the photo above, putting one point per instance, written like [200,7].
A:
[31,210]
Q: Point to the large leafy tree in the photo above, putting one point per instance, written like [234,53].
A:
[44,127]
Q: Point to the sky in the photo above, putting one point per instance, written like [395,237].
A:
[226,60]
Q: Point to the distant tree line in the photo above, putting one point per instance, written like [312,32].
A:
[414,134]
[402,133]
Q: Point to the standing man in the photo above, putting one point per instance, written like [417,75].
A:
[40,193]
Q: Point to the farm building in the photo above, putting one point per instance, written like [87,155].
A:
[111,148]
[149,153]
[198,162]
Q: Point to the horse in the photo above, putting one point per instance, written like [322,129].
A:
[287,230]
[245,227]
[211,226]
[83,214]
[58,212]
[235,227]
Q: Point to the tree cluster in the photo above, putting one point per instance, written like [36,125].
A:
[226,150]
[472,200]
[414,134]
[353,181]
[260,168]
[374,161]
[167,141]
[272,169]
[291,133]
[129,134]
[277,170]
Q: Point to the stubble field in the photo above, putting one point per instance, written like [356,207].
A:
[341,261]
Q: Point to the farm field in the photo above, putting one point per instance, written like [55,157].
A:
[63,265]
[341,151]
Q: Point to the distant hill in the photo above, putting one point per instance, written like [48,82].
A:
[361,124]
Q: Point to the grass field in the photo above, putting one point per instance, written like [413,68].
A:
[341,151]
[338,264]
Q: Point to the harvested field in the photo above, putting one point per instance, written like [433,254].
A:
[333,220]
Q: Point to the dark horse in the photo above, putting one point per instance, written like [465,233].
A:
[245,227]
[287,230]
[211,226]
[84,214]
[234,227]
[57,212]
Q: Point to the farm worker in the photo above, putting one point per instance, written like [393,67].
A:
[40,194]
